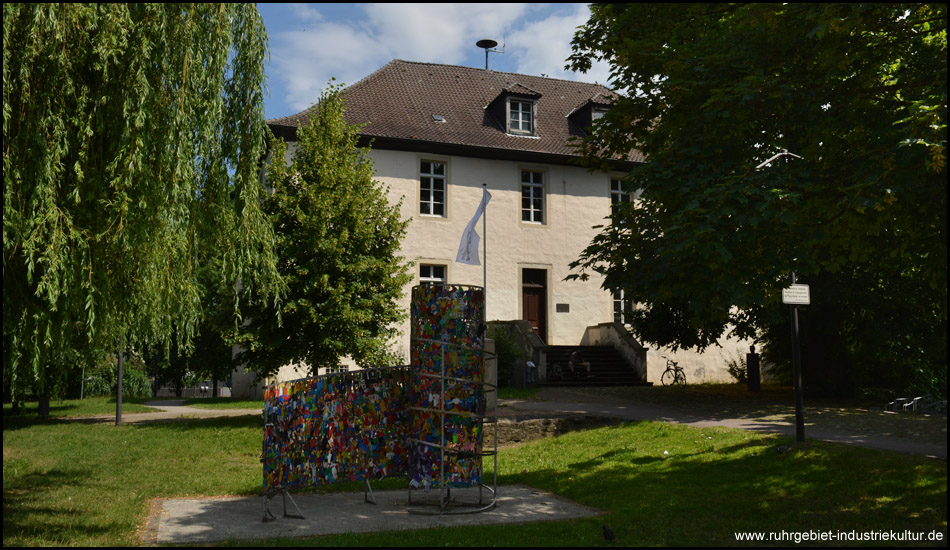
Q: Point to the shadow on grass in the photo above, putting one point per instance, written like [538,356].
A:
[197,424]
[21,421]
[28,415]
[773,409]
[712,484]
[28,519]
[706,495]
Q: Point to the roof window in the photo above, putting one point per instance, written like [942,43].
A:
[520,116]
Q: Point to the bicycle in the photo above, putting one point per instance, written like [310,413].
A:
[673,374]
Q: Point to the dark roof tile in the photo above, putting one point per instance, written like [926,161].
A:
[399,100]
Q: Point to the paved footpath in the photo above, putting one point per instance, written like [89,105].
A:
[170,410]
[909,433]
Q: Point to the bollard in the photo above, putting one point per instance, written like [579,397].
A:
[752,369]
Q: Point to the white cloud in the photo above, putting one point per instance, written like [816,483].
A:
[304,59]
[543,46]
[439,33]
[305,13]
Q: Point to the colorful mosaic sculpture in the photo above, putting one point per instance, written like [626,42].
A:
[367,424]
[447,397]
[339,427]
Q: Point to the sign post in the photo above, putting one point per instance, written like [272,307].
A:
[796,295]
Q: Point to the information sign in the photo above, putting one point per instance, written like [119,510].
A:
[796,295]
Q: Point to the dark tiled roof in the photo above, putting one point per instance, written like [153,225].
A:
[398,103]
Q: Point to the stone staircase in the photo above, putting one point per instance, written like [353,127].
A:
[607,366]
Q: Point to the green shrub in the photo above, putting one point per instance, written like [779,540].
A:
[928,378]
[101,380]
[508,351]
[736,365]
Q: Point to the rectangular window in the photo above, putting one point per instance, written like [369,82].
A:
[622,308]
[520,117]
[432,188]
[431,274]
[532,196]
[617,194]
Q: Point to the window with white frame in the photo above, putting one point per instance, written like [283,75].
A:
[532,196]
[520,116]
[432,188]
[622,308]
[431,274]
[617,194]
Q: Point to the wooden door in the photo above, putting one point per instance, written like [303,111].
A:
[533,300]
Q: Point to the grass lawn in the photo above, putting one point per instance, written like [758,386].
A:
[225,403]
[80,407]
[67,483]
[516,393]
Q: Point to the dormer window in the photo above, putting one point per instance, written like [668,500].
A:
[514,110]
[588,113]
[520,116]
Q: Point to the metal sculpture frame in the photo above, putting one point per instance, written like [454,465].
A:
[447,399]
[464,339]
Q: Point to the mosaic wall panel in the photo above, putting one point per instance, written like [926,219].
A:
[340,427]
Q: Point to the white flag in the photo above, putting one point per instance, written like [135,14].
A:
[468,248]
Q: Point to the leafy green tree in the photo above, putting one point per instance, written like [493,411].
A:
[711,91]
[210,356]
[101,378]
[338,242]
[132,136]
[168,366]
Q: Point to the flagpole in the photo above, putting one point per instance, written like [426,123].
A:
[485,252]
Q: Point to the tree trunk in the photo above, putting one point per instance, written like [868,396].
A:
[44,405]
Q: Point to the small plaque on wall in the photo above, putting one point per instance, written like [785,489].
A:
[562,308]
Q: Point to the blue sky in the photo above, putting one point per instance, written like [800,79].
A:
[310,43]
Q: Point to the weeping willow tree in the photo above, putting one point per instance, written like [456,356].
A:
[132,135]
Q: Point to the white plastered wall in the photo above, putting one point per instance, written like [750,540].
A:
[575,201]
[710,366]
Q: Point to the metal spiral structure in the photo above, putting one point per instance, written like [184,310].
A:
[447,399]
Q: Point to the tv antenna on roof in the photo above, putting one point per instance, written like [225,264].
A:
[488,44]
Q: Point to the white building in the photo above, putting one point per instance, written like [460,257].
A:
[439,132]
